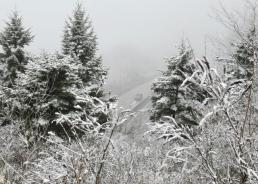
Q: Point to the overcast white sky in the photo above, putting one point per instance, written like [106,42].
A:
[134,35]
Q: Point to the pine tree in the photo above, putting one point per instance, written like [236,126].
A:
[178,93]
[242,63]
[50,96]
[80,41]
[13,39]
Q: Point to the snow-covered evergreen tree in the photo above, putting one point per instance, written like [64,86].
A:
[13,39]
[50,96]
[245,54]
[178,93]
[80,41]
[79,38]
[242,62]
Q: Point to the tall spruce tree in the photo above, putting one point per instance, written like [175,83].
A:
[80,41]
[178,92]
[13,39]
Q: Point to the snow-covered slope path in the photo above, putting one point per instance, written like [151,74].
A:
[132,131]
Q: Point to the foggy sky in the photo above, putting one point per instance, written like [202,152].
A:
[133,35]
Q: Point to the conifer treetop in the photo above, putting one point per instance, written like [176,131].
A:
[178,93]
[15,35]
[79,39]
